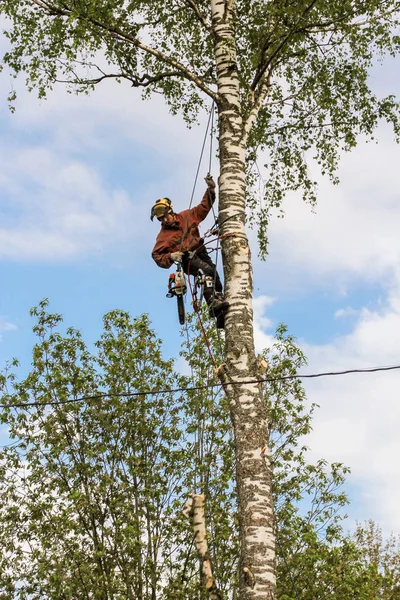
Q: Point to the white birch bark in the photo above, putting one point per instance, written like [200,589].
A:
[248,410]
[195,509]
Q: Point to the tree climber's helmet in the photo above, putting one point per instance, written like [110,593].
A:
[162,207]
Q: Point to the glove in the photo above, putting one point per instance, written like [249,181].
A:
[210,181]
[176,256]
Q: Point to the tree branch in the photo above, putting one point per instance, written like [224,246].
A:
[256,104]
[330,25]
[44,5]
[263,66]
[120,35]
[143,81]
[264,82]
[194,508]
[229,6]
[200,17]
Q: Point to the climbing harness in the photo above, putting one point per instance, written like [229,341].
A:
[177,287]
[202,281]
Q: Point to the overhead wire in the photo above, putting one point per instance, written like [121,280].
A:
[102,395]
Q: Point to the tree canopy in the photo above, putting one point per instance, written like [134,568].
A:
[92,490]
[302,68]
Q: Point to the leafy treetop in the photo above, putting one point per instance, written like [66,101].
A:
[303,69]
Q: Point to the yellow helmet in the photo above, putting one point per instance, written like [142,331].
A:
[162,206]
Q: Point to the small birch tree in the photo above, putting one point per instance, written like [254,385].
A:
[288,78]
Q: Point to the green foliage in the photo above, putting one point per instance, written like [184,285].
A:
[361,567]
[71,42]
[380,560]
[92,490]
[303,70]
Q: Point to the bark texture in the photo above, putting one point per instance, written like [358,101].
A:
[248,409]
[194,508]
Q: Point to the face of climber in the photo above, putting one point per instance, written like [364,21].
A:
[167,218]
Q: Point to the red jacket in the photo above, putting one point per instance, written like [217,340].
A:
[182,235]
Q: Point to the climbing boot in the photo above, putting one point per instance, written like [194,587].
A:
[218,305]
[220,321]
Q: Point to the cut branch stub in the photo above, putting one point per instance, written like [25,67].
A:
[194,509]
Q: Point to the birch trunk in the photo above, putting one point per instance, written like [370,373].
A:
[248,409]
[195,509]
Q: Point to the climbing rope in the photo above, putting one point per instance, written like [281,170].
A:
[197,432]
[210,127]
[212,232]
[215,225]
[210,118]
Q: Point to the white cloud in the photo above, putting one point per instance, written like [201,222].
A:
[343,313]
[55,207]
[353,239]
[359,416]
[5,324]
[262,339]
[354,232]
[111,117]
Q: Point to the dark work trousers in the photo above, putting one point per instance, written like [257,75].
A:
[201,260]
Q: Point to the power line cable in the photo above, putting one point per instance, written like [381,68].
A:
[103,395]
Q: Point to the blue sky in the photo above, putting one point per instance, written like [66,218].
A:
[78,176]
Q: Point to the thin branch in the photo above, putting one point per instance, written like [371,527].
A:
[262,67]
[200,17]
[121,36]
[330,25]
[257,104]
[229,7]
[260,71]
[45,5]
[310,126]
[143,81]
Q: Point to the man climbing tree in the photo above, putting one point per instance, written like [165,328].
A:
[290,79]
[179,241]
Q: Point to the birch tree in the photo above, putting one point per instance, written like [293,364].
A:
[289,79]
